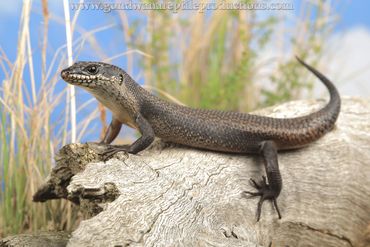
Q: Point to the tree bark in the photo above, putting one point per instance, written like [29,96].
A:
[169,195]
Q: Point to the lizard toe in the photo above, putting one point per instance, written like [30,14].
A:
[112,150]
[265,193]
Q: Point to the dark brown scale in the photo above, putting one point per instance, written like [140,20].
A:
[207,129]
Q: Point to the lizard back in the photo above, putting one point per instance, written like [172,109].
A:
[239,132]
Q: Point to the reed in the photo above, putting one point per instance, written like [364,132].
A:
[212,59]
[30,135]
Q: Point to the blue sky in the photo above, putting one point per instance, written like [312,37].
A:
[352,14]
[353,17]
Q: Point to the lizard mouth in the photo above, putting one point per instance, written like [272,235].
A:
[76,79]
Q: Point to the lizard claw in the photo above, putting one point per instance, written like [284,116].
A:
[264,191]
[112,150]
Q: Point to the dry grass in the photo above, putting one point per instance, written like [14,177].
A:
[30,135]
[212,60]
[27,143]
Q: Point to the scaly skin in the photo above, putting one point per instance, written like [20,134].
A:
[223,131]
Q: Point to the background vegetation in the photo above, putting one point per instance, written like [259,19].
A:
[208,60]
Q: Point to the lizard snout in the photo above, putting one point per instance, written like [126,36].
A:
[64,74]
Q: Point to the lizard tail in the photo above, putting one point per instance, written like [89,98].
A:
[333,106]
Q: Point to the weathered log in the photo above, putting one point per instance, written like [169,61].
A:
[170,195]
[40,239]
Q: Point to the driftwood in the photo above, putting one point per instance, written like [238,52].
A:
[176,196]
[39,239]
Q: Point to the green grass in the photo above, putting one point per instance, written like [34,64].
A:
[212,61]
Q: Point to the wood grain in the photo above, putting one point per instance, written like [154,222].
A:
[176,196]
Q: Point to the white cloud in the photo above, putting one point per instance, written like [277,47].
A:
[345,60]
[348,61]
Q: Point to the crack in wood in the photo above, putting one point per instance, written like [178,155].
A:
[323,231]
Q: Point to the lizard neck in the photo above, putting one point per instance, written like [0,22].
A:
[123,100]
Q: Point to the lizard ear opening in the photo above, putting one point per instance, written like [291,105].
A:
[120,79]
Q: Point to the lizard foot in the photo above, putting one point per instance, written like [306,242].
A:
[111,150]
[266,193]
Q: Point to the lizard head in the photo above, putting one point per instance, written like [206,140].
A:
[93,75]
[109,84]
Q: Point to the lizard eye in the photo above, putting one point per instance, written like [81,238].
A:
[92,69]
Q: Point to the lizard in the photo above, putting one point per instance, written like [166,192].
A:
[223,131]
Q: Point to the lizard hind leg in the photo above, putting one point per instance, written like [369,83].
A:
[270,190]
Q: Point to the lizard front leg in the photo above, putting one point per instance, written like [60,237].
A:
[270,190]
[112,131]
[147,137]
